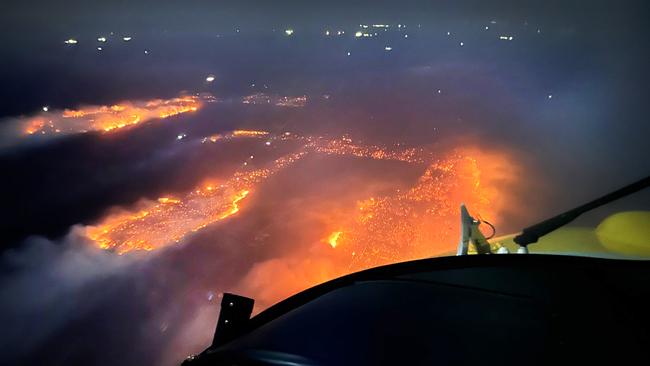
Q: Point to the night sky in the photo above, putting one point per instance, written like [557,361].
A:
[556,89]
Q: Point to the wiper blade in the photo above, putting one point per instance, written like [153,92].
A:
[532,233]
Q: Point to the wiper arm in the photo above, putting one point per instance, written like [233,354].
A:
[532,233]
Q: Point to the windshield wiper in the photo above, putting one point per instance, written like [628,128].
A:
[532,233]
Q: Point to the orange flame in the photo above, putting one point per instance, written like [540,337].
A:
[421,221]
[169,220]
[109,118]
[249,133]
[234,206]
[333,238]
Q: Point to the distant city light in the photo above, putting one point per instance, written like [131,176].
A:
[338,33]
[439,91]
[45,108]
[181,136]
[101,39]
[449,33]
[349,53]
[99,48]
[380,25]
[210,78]
[406,36]
[71,41]
[388,48]
[550,96]
[462,44]
[127,38]
[358,34]
[146,52]
[486,27]
[327,33]
[506,38]
[288,32]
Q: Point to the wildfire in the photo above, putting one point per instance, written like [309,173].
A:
[108,118]
[168,200]
[280,101]
[234,207]
[418,222]
[332,239]
[169,220]
[165,221]
[423,220]
[345,146]
[249,133]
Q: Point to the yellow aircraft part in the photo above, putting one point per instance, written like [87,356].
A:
[624,234]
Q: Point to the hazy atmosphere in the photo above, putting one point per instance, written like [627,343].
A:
[155,154]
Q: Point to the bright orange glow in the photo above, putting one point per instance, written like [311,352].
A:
[423,220]
[109,118]
[345,146]
[165,221]
[234,207]
[249,133]
[34,126]
[168,200]
[333,238]
[417,222]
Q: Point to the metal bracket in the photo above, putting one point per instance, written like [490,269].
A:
[469,233]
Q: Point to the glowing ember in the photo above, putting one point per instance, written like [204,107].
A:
[421,221]
[293,102]
[345,146]
[249,133]
[108,118]
[234,207]
[168,200]
[333,238]
[156,224]
[163,222]
[280,101]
